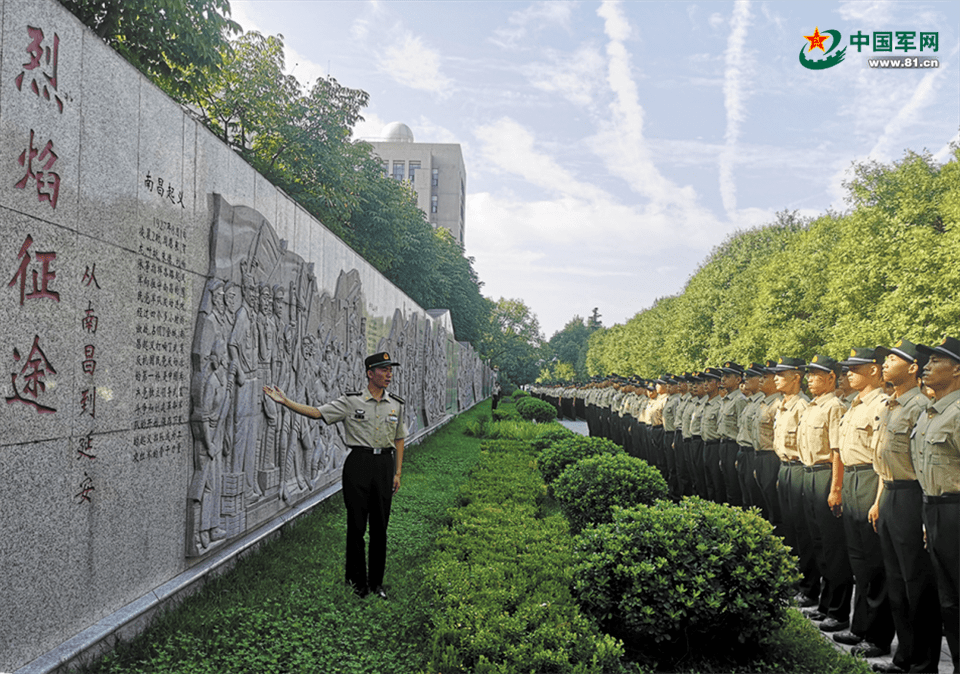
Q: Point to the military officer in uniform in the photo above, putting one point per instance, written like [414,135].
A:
[730,409]
[871,629]
[818,442]
[374,431]
[710,433]
[935,449]
[788,378]
[897,515]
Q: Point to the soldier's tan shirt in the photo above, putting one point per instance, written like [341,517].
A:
[935,446]
[891,440]
[857,427]
[710,419]
[696,416]
[655,410]
[670,408]
[786,424]
[819,431]
[747,421]
[367,422]
[764,421]
[728,421]
[686,414]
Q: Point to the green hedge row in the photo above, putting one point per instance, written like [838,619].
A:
[503,576]
[534,409]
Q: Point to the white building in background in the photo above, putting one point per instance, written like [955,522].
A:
[435,170]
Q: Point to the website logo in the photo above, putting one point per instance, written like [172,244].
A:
[816,41]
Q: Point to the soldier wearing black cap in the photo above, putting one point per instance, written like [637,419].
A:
[871,628]
[818,442]
[688,474]
[670,408]
[695,449]
[767,463]
[897,515]
[746,449]
[730,409]
[935,449]
[710,433]
[374,431]
[788,378]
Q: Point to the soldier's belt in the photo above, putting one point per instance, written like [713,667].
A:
[901,484]
[712,442]
[942,499]
[371,450]
[857,467]
[817,467]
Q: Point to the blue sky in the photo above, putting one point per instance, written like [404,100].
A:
[610,146]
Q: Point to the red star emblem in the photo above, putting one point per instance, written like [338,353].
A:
[816,40]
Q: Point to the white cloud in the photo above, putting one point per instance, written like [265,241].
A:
[414,64]
[735,80]
[574,76]
[532,19]
[876,12]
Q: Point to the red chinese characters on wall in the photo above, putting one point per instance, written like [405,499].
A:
[41,67]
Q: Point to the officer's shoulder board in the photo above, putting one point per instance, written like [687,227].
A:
[353,393]
[398,398]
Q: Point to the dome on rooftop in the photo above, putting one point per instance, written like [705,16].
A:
[397,132]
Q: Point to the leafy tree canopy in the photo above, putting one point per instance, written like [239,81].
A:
[889,268]
[175,42]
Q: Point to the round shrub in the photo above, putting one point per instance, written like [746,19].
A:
[588,489]
[549,435]
[562,453]
[533,409]
[520,393]
[669,578]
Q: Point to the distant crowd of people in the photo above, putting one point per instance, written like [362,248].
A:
[855,464]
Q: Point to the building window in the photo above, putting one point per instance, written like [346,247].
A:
[433,203]
[398,170]
[435,180]
[414,166]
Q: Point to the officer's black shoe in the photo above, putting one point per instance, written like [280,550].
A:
[868,650]
[814,614]
[359,590]
[380,592]
[887,668]
[834,625]
[847,638]
[803,601]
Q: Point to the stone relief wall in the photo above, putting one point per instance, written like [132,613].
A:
[263,320]
[141,314]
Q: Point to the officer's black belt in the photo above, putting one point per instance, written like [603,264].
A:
[901,484]
[857,467]
[711,442]
[792,462]
[817,467]
[942,499]
[695,438]
[371,450]
[744,448]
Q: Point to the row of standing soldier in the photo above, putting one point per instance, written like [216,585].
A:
[861,478]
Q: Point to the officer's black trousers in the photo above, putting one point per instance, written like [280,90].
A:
[911,583]
[871,609]
[367,494]
[829,544]
[943,540]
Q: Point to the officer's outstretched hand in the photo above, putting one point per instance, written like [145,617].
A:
[274,393]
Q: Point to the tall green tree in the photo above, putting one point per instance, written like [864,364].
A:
[888,268]
[178,43]
[513,340]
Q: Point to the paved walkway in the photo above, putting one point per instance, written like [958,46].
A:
[946,664]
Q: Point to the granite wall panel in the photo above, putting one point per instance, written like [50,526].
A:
[133,242]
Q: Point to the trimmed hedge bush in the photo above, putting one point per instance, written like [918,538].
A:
[502,577]
[549,435]
[668,579]
[588,489]
[562,453]
[533,409]
[520,393]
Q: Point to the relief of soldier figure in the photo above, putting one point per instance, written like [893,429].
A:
[263,319]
